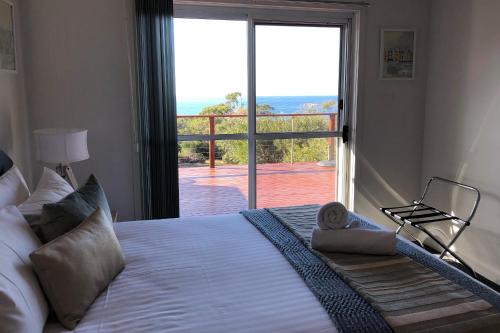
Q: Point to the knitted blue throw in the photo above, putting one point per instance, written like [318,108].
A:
[347,309]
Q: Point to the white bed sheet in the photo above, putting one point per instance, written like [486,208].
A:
[202,274]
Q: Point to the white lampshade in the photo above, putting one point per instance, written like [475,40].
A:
[61,145]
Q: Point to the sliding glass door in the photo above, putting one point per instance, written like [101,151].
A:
[259,113]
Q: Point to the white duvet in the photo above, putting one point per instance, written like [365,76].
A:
[205,274]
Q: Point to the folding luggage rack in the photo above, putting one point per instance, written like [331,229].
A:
[419,214]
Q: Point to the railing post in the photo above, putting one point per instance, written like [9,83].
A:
[211,144]
[293,144]
[331,145]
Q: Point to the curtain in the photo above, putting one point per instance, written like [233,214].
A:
[157,111]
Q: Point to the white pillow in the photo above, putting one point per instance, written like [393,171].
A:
[13,188]
[51,188]
[23,307]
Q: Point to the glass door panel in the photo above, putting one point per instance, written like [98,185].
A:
[297,89]
[211,84]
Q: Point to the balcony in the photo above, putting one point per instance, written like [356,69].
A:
[213,174]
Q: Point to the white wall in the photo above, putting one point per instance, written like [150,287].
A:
[13,114]
[390,117]
[462,135]
[78,75]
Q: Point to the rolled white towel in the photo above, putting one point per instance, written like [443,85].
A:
[332,215]
[357,240]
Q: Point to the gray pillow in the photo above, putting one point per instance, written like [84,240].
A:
[64,215]
[5,162]
[76,267]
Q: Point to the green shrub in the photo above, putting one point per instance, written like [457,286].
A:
[269,151]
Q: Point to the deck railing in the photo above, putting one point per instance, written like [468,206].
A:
[211,125]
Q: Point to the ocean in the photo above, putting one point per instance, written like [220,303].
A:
[281,104]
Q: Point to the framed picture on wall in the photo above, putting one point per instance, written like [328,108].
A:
[397,54]
[7,38]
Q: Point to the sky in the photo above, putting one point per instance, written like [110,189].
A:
[211,59]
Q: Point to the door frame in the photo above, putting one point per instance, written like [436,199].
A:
[348,19]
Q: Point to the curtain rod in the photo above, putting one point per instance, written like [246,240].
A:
[271,3]
[337,2]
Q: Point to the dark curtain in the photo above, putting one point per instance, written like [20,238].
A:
[157,112]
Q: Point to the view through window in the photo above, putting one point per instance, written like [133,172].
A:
[297,88]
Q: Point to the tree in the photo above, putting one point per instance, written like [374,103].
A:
[329,105]
[218,109]
[234,100]
[233,103]
[264,109]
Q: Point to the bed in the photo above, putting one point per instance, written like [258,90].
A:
[202,274]
[222,274]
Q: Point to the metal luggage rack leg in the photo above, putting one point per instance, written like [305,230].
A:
[418,214]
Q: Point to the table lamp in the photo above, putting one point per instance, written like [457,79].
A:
[62,146]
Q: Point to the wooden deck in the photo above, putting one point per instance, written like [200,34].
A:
[224,189]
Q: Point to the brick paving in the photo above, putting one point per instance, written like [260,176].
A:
[224,189]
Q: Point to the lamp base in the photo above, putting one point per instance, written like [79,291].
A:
[65,171]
